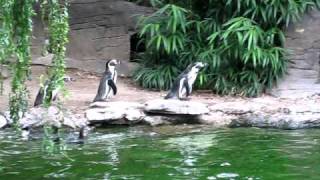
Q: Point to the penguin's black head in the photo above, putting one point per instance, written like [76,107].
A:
[194,68]
[199,65]
[112,63]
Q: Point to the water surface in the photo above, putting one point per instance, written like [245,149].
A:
[185,152]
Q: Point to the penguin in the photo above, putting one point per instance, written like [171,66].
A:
[107,86]
[43,90]
[182,86]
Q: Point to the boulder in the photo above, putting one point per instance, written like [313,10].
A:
[175,107]
[120,112]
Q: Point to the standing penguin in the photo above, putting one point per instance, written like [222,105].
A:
[107,86]
[43,91]
[182,86]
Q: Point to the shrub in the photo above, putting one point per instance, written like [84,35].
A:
[241,40]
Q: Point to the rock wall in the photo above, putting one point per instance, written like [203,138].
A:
[100,30]
[303,42]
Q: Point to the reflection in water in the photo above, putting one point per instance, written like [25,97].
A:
[191,148]
[112,143]
[191,153]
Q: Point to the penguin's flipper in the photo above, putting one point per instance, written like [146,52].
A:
[186,85]
[113,86]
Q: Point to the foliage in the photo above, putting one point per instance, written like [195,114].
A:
[242,41]
[17,27]
[5,33]
[58,26]
[15,40]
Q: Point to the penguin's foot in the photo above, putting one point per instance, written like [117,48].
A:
[185,99]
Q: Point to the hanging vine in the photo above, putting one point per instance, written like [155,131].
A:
[6,45]
[22,12]
[15,41]
[58,27]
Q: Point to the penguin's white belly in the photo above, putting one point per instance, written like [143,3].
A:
[192,77]
[182,89]
[107,93]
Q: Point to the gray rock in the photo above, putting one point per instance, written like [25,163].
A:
[39,116]
[170,119]
[3,121]
[74,121]
[175,107]
[115,113]
[52,116]
[155,121]
[217,119]
[280,121]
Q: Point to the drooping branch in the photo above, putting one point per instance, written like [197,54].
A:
[6,44]
[22,12]
[58,27]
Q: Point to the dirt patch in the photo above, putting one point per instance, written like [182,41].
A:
[83,90]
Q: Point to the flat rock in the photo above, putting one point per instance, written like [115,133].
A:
[120,112]
[175,107]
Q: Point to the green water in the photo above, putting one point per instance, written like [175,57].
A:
[168,153]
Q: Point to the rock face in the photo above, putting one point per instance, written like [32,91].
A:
[303,41]
[100,30]
[115,113]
